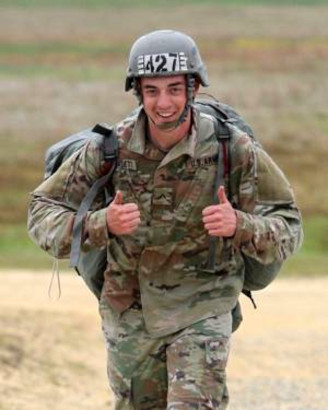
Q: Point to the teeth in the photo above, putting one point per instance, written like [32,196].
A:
[165,115]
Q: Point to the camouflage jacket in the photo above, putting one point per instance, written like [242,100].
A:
[163,264]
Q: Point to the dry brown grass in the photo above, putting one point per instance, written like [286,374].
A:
[52,352]
[204,21]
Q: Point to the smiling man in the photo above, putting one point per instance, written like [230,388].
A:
[164,102]
[166,317]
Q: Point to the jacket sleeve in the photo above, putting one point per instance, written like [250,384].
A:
[269,226]
[54,204]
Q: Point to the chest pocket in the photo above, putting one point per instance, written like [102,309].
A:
[182,224]
[196,193]
[131,181]
[136,182]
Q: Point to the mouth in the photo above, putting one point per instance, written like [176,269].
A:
[166,116]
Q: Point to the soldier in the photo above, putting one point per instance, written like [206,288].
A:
[166,318]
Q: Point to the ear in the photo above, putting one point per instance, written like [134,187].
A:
[137,91]
[196,87]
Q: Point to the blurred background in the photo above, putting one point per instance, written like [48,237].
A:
[62,69]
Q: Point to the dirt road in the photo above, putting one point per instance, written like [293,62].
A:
[52,352]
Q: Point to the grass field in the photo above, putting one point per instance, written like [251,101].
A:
[62,69]
[18,251]
[153,3]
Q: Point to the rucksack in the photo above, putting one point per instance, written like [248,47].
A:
[91,265]
[257,275]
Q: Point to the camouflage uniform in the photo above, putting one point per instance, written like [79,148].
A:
[156,281]
[192,362]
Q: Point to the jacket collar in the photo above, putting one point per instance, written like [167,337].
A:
[187,146]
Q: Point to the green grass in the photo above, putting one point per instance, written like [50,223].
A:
[316,236]
[68,73]
[312,259]
[18,251]
[43,48]
[146,3]
[61,60]
[78,60]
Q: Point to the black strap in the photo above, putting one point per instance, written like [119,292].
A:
[248,293]
[223,161]
[102,130]
[110,147]
[110,142]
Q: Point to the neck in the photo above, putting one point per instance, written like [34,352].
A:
[166,139]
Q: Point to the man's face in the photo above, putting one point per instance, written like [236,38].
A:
[164,98]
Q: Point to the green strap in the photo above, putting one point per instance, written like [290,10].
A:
[110,149]
[81,213]
[223,139]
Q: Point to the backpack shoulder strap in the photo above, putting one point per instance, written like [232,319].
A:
[110,142]
[225,115]
[222,178]
[110,147]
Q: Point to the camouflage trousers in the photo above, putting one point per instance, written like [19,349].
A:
[185,370]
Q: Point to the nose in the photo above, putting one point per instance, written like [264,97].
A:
[163,100]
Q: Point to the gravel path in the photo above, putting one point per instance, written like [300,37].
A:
[52,352]
[279,358]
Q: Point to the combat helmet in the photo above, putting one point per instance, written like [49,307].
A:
[163,53]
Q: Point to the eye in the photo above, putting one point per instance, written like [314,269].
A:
[177,90]
[150,92]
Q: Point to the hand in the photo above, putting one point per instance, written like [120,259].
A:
[221,219]
[122,219]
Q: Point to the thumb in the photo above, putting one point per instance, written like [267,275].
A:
[222,195]
[118,200]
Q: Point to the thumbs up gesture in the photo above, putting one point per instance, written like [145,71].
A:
[122,219]
[221,219]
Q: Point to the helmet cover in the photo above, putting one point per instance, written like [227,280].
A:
[165,53]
